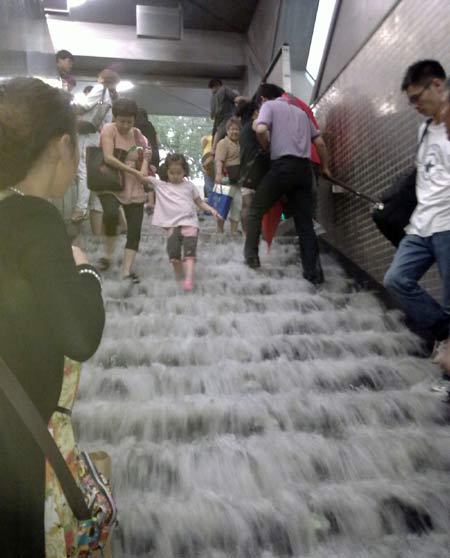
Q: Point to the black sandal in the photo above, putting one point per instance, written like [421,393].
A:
[133,278]
[103,264]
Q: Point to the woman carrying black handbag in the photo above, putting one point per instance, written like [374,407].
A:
[122,135]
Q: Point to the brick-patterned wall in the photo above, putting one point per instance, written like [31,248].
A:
[372,132]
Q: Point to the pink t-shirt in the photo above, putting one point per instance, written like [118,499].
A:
[133,190]
[175,205]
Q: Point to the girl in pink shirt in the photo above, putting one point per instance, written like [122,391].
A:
[176,205]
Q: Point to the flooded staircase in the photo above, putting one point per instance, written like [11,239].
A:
[259,417]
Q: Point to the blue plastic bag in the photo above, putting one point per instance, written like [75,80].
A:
[220,199]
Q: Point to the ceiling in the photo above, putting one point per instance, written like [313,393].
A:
[211,15]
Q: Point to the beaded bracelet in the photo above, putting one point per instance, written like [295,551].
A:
[93,273]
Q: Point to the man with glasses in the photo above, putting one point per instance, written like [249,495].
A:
[427,239]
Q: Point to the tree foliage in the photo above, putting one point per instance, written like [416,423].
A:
[183,134]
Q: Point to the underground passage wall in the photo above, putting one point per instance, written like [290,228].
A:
[372,132]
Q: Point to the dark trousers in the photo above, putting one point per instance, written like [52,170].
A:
[290,176]
[134,213]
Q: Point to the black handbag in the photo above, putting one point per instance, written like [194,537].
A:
[398,203]
[100,176]
[254,171]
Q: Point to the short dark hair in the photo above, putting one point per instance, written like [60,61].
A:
[177,158]
[124,107]
[447,88]
[233,121]
[422,71]
[245,110]
[63,54]
[88,89]
[269,91]
[32,114]
[213,82]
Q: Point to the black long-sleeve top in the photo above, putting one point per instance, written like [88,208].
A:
[48,309]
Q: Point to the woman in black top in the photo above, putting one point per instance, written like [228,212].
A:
[147,128]
[50,297]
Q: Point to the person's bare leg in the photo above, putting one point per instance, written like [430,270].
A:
[189,271]
[110,245]
[178,269]
[220,225]
[128,261]
[234,226]
[189,268]
[443,357]
[105,261]
[96,219]
[123,225]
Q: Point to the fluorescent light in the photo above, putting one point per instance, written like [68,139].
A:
[75,3]
[322,25]
[124,85]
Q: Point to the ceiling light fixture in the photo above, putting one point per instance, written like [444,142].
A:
[322,25]
[124,85]
[75,3]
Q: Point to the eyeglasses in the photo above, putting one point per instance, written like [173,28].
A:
[414,99]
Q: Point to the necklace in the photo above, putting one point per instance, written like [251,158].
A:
[16,190]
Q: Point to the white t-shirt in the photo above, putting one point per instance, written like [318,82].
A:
[92,99]
[175,205]
[432,213]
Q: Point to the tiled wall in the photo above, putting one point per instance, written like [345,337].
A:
[371,131]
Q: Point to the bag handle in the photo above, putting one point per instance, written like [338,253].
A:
[30,417]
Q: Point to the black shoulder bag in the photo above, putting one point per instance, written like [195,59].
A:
[102,177]
[398,203]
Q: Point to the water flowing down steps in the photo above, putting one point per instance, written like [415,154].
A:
[260,418]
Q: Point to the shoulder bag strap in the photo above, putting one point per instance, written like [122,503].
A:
[30,417]
[422,137]
[424,133]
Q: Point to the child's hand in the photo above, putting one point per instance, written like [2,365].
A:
[216,214]
[148,154]
[141,176]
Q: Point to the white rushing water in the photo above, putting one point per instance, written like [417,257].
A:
[260,418]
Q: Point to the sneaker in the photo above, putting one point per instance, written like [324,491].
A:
[133,278]
[438,351]
[188,285]
[441,386]
[316,279]
[253,262]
